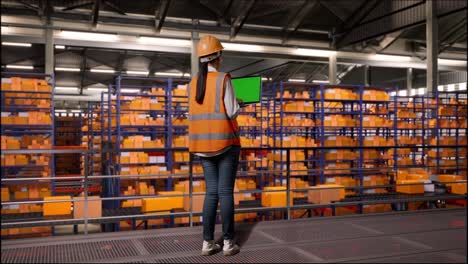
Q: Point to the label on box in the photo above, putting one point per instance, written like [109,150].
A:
[154,101]
[201,218]
[13,207]
[125,154]
[330,179]
[153,159]
[125,169]
[196,183]
[5,114]
[306,104]
[369,191]
[366,118]
[24,189]
[162,169]
[146,138]
[328,118]
[184,167]
[6,80]
[23,114]
[130,97]
[366,92]
[428,187]
[287,138]
[331,138]
[142,116]
[366,178]
[284,182]
[160,159]
[248,195]
[97,155]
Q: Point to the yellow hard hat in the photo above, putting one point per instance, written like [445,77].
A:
[208,45]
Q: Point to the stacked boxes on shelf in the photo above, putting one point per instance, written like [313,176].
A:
[292,123]
[27,123]
[448,134]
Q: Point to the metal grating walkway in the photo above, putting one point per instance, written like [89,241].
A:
[436,236]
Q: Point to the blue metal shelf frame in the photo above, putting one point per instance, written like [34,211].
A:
[16,130]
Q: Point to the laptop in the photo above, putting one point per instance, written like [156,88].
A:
[248,89]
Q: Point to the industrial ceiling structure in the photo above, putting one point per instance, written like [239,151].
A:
[356,30]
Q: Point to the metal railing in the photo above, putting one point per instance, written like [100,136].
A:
[190,175]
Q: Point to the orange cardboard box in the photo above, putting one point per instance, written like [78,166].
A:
[59,208]
[410,189]
[94,207]
[319,195]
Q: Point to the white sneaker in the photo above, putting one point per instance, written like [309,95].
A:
[210,248]
[230,248]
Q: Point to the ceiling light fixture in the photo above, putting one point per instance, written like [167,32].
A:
[65,88]
[137,72]
[25,67]
[67,69]
[130,90]
[175,74]
[16,44]
[320,81]
[60,110]
[59,46]
[462,86]
[296,80]
[165,41]
[451,62]
[102,71]
[97,89]
[242,47]
[384,57]
[314,52]
[88,36]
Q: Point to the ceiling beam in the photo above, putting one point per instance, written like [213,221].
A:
[279,72]
[297,19]
[160,14]
[219,15]
[298,68]
[82,69]
[341,15]
[29,6]
[240,20]
[257,67]
[120,63]
[71,7]
[114,7]
[353,20]
[95,14]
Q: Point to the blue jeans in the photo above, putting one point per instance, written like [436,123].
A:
[220,175]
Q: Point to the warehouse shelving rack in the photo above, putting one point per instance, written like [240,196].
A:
[174,106]
[12,101]
[20,130]
[454,125]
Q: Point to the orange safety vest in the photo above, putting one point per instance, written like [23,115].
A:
[210,129]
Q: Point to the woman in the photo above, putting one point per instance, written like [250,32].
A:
[213,135]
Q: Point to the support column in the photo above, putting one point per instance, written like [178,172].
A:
[332,69]
[367,75]
[49,51]
[409,80]
[432,46]
[194,55]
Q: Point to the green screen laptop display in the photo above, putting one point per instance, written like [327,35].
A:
[248,88]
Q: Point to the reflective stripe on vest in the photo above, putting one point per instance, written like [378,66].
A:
[213,136]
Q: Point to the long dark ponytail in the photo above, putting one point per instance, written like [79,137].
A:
[201,81]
